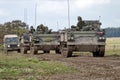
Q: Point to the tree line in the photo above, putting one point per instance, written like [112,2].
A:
[112,32]
[14,27]
[18,27]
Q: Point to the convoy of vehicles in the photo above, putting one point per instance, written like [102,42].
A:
[85,37]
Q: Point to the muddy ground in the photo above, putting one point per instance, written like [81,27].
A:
[89,68]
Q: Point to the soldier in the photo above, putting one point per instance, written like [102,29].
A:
[80,23]
[32,30]
[40,29]
[46,29]
[43,29]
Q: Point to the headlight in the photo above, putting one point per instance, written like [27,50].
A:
[68,38]
[18,45]
[72,38]
[103,38]
[100,38]
[8,45]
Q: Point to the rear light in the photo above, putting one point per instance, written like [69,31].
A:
[100,33]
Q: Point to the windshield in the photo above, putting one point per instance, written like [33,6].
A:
[13,40]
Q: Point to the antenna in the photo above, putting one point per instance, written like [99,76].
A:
[68,13]
[25,15]
[57,25]
[99,18]
[35,14]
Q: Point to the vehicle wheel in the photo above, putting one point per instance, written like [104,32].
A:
[23,50]
[18,50]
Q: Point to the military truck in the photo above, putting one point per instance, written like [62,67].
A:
[89,38]
[11,43]
[25,43]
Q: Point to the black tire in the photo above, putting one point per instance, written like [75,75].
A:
[18,50]
[5,51]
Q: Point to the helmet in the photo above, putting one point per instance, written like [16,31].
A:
[79,18]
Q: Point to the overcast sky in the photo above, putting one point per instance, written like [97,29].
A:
[53,13]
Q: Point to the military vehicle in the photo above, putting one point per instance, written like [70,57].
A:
[44,39]
[45,42]
[25,43]
[11,43]
[89,38]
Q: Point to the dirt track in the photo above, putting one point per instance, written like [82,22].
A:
[90,68]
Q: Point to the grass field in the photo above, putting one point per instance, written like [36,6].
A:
[19,67]
[113,46]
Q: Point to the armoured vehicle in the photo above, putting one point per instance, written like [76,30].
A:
[44,39]
[89,38]
[25,43]
[45,42]
[11,43]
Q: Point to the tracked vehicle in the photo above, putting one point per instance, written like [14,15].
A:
[89,38]
[45,40]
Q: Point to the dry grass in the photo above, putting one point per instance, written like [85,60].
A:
[113,46]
